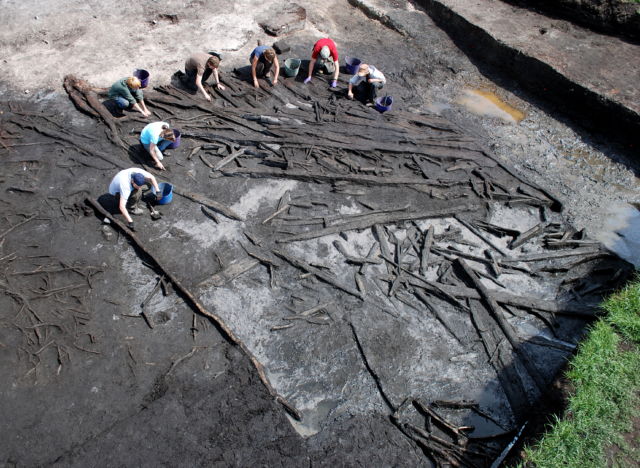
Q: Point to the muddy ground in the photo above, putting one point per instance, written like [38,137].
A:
[92,384]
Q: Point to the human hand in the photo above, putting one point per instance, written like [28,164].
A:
[207,96]
[256,84]
[130,226]
[159,166]
[334,83]
[220,87]
[350,95]
[307,80]
[158,196]
[275,82]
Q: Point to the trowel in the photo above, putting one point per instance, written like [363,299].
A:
[155,214]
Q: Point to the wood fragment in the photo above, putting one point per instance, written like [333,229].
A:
[505,326]
[366,221]
[426,249]
[326,277]
[229,273]
[214,205]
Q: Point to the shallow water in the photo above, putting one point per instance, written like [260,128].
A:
[488,104]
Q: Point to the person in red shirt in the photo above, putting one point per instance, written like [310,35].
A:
[325,55]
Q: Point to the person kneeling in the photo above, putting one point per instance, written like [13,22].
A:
[155,138]
[127,94]
[368,80]
[262,59]
[198,68]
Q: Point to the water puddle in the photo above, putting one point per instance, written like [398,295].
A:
[488,104]
[621,232]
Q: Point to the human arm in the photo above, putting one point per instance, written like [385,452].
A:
[123,209]
[312,64]
[200,87]
[217,78]
[139,108]
[254,64]
[350,91]
[276,73]
[336,72]
[143,106]
[151,178]
[153,149]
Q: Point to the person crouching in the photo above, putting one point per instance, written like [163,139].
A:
[155,137]
[367,81]
[198,68]
[262,59]
[126,93]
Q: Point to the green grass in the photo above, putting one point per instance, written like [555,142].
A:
[606,378]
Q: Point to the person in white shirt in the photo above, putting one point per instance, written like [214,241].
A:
[367,81]
[127,187]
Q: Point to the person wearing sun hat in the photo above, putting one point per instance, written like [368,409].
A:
[127,187]
[325,56]
[367,81]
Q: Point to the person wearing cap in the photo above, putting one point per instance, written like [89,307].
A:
[325,55]
[127,94]
[262,59]
[199,67]
[155,137]
[127,186]
[370,80]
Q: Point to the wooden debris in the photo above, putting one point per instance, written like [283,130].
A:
[222,326]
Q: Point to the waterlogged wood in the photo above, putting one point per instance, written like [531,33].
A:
[276,213]
[426,249]
[195,303]
[527,236]
[308,176]
[220,164]
[367,221]
[484,238]
[230,273]
[581,252]
[326,277]
[505,326]
[214,205]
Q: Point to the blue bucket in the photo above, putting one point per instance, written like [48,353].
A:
[167,193]
[176,143]
[383,104]
[352,64]
[143,76]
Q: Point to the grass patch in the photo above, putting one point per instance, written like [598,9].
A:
[607,379]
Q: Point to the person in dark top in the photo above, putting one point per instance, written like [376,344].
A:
[262,59]
[126,93]
[198,68]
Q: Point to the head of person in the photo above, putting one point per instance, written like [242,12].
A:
[213,62]
[133,83]
[167,134]
[269,54]
[137,179]
[363,70]
[325,52]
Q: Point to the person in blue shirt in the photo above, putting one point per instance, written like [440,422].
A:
[155,138]
[262,59]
